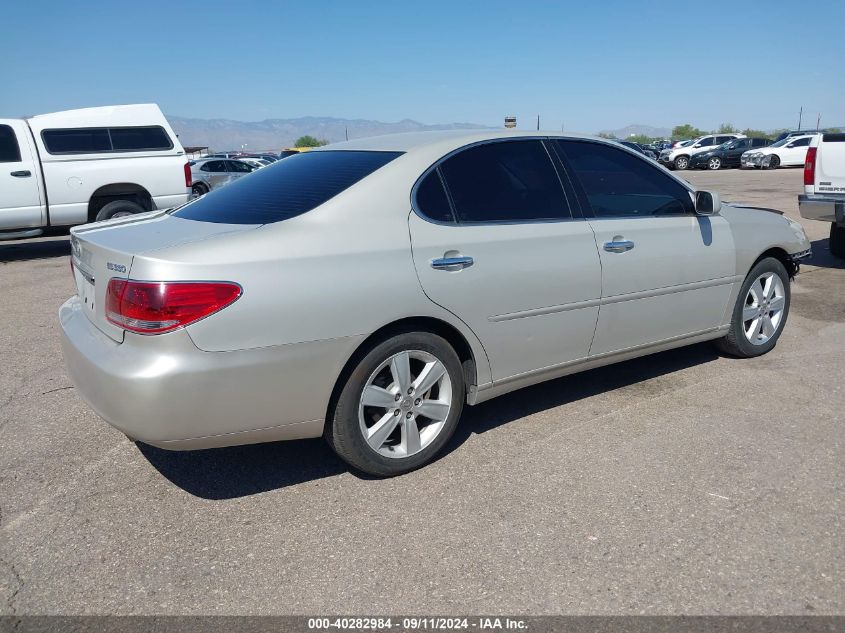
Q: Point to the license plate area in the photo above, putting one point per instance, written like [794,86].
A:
[86,289]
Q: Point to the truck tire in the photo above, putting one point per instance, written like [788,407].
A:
[118,209]
[837,240]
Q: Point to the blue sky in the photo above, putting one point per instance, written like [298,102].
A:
[586,65]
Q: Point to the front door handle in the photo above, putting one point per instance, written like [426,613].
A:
[25,173]
[618,247]
[451,263]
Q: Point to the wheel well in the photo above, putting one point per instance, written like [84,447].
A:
[783,257]
[412,324]
[118,191]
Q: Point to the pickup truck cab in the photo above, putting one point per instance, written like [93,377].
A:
[824,187]
[80,166]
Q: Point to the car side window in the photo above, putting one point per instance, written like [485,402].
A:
[506,181]
[617,184]
[706,142]
[431,199]
[9,150]
[238,166]
[741,143]
[801,142]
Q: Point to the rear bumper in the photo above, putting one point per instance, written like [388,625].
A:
[164,391]
[824,207]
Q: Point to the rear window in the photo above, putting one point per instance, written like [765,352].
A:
[9,150]
[101,140]
[287,188]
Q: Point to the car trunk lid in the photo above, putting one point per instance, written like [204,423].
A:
[106,250]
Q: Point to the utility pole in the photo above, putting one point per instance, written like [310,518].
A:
[347,133]
[818,121]
[800,115]
[538,121]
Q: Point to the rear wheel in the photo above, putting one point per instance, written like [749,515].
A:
[837,240]
[681,162]
[760,312]
[714,163]
[119,209]
[198,189]
[399,405]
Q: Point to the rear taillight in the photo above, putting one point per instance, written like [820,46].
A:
[188,179]
[155,307]
[810,167]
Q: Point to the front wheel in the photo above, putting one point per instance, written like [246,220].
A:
[682,162]
[759,315]
[399,405]
[714,163]
[774,162]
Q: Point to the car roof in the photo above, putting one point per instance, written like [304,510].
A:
[408,141]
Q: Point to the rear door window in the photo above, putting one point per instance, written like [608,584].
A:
[431,199]
[510,181]
[617,184]
[287,188]
[10,152]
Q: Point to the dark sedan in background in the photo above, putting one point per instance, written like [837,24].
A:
[727,154]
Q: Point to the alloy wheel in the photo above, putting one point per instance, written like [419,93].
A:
[764,306]
[405,403]
[714,163]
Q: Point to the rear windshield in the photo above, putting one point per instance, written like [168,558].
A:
[285,189]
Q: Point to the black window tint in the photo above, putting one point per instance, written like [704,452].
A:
[707,142]
[238,166]
[619,184]
[9,150]
[77,141]
[431,199]
[741,143]
[139,138]
[286,189]
[214,166]
[801,142]
[760,142]
[506,181]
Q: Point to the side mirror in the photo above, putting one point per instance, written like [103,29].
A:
[707,203]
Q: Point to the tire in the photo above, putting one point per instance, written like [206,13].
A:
[118,209]
[714,163]
[753,300]
[198,189]
[393,447]
[837,240]
[681,162]
[774,161]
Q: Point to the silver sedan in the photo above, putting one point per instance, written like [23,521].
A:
[369,290]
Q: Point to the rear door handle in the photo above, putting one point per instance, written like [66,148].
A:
[618,247]
[451,263]
[25,173]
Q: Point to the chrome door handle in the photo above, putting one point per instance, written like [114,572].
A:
[618,247]
[21,174]
[451,263]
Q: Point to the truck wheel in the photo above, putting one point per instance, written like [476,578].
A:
[681,162]
[837,240]
[119,209]
[759,315]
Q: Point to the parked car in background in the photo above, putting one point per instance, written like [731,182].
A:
[255,162]
[292,151]
[679,157]
[789,133]
[638,148]
[824,186]
[212,316]
[727,154]
[787,152]
[213,173]
[80,166]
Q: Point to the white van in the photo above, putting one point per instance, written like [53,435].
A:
[86,165]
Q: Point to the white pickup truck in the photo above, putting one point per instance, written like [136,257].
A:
[80,166]
[824,187]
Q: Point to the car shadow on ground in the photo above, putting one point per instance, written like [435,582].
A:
[228,473]
[822,256]
[42,249]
